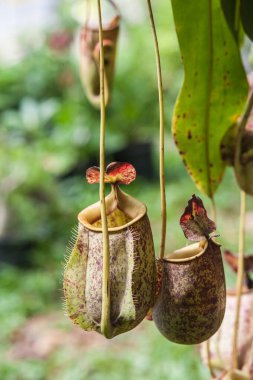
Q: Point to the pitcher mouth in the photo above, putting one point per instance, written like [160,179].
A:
[190,252]
[133,209]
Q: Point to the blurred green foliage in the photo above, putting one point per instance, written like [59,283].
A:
[48,129]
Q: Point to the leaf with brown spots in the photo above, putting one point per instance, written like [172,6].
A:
[116,172]
[194,221]
[216,82]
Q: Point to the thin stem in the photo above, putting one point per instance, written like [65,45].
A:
[161,110]
[105,317]
[240,278]
[208,351]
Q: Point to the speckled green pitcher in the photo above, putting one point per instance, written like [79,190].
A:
[132,265]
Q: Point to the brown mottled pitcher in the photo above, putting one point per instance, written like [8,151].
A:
[132,265]
[89,60]
[191,303]
[221,343]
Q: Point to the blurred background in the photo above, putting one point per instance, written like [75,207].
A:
[49,135]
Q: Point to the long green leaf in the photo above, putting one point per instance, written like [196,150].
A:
[214,92]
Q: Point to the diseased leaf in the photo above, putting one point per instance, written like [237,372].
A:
[116,172]
[214,92]
[194,221]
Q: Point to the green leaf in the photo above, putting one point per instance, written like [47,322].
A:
[247,17]
[214,92]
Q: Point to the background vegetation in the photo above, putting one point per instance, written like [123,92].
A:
[49,136]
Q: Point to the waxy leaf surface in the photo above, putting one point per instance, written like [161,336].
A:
[116,172]
[194,221]
[214,91]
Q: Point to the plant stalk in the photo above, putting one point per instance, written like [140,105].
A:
[161,143]
[105,317]
[240,278]
[208,351]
